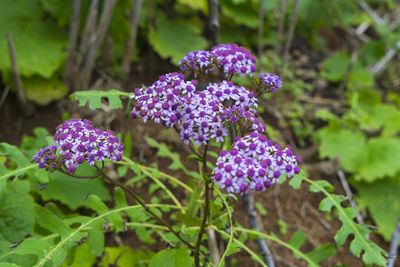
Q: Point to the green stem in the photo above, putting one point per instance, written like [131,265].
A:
[206,209]
[144,205]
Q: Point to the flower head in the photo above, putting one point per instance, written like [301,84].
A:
[198,61]
[234,59]
[77,141]
[254,164]
[269,82]
[162,102]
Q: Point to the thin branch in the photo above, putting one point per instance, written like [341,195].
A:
[130,43]
[375,17]
[282,15]
[100,34]
[88,38]
[292,27]
[143,204]
[252,217]
[72,42]
[206,209]
[260,30]
[212,244]
[4,95]
[349,195]
[393,245]
[214,19]
[381,64]
[15,71]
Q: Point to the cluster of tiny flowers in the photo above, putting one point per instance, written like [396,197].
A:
[270,82]
[163,100]
[47,158]
[232,95]
[202,119]
[246,120]
[234,59]
[254,164]
[78,141]
[198,61]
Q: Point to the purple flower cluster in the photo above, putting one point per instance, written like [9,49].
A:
[208,114]
[198,61]
[254,164]
[231,58]
[270,82]
[234,59]
[78,141]
[163,100]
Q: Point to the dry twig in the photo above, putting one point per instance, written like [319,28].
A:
[130,43]
[281,26]
[86,72]
[214,19]
[4,95]
[393,245]
[72,42]
[292,26]
[252,216]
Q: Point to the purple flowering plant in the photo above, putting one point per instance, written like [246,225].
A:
[204,107]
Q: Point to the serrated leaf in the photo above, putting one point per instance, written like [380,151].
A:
[382,200]
[73,192]
[32,246]
[94,98]
[164,38]
[373,254]
[172,258]
[16,212]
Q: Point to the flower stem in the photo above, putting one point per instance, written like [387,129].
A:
[143,204]
[206,209]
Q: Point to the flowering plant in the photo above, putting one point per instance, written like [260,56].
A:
[202,113]
[210,114]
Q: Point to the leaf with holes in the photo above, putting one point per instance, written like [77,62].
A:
[94,98]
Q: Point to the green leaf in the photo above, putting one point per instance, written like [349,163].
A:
[14,154]
[123,256]
[165,151]
[16,212]
[73,192]
[43,91]
[379,158]
[172,258]
[94,98]
[242,13]
[83,257]
[96,241]
[32,246]
[95,203]
[373,254]
[51,222]
[39,43]
[382,200]
[164,38]
[344,144]
[334,68]
[7,264]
